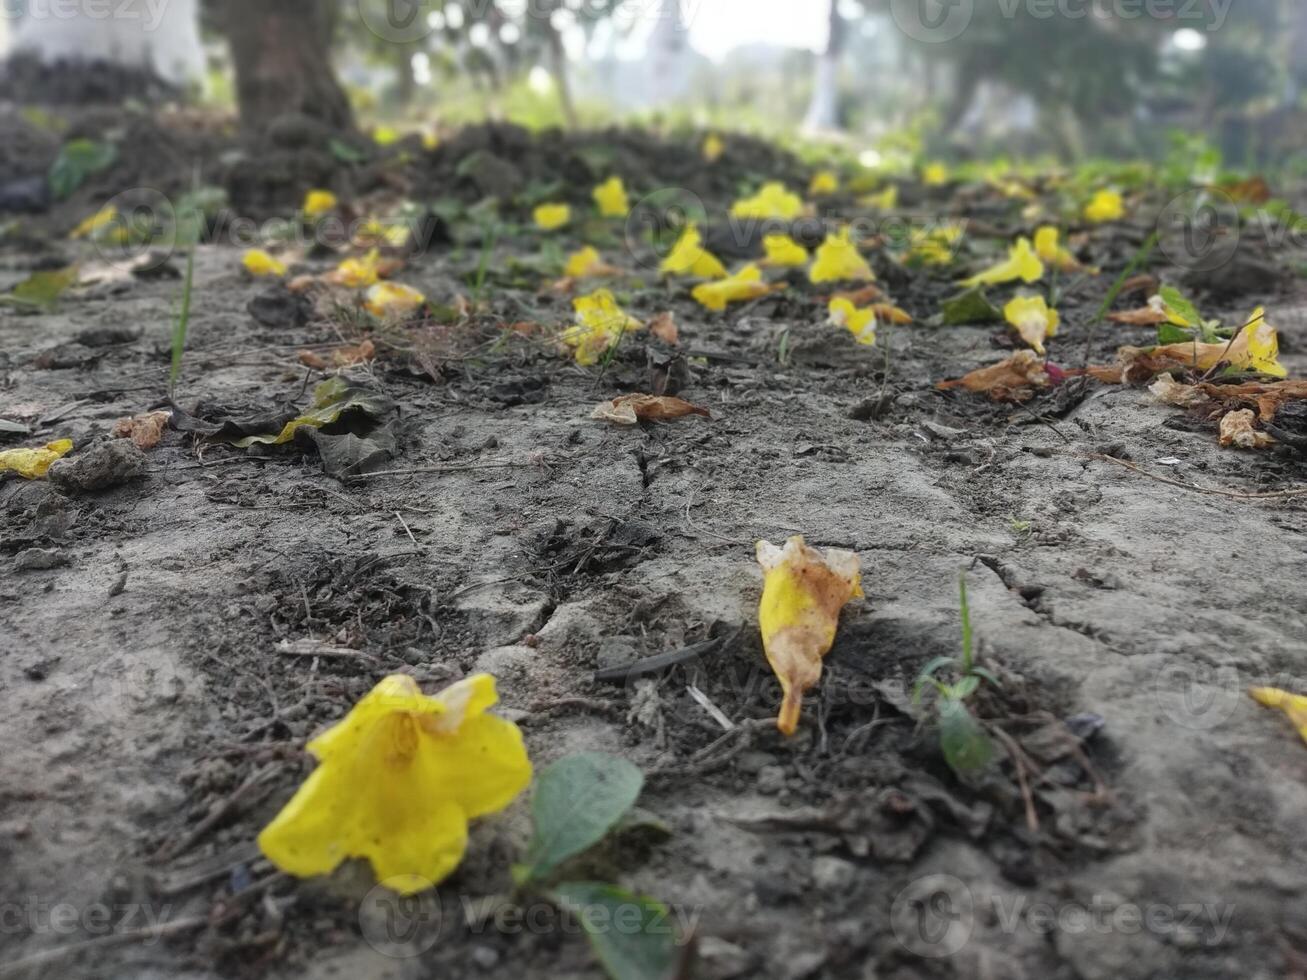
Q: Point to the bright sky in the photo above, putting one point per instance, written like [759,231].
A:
[717,26]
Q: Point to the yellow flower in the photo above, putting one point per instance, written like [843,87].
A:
[802,594]
[933,246]
[1021,263]
[611,198]
[259,263]
[1033,318]
[96,222]
[398,780]
[784,251]
[32,464]
[1263,346]
[385,135]
[393,300]
[1293,705]
[1106,205]
[935,175]
[860,323]
[377,231]
[430,142]
[1048,248]
[713,148]
[824,182]
[886,200]
[318,203]
[745,285]
[586,262]
[839,259]
[688,257]
[771,201]
[357,273]
[550,217]
[600,323]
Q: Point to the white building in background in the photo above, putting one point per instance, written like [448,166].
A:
[163,38]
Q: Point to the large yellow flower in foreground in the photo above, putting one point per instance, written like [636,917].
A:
[32,464]
[838,259]
[397,781]
[688,257]
[802,594]
[1021,263]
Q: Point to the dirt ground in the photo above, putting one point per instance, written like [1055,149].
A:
[204,619]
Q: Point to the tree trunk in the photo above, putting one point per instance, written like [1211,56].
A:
[282,53]
[824,110]
[81,55]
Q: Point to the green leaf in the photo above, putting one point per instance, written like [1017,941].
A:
[966,687]
[987,674]
[1169,333]
[577,801]
[1175,303]
[967,657]
[973,306]
[964,742]
[927,676]
[632,936]
[78,160]
[345,153]
[43,289]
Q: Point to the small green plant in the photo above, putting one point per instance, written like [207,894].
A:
[577,802]
[962,738]
[189,228]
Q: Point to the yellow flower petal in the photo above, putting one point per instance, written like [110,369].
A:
[802,595]
[859,322]
[357,273]
[1106,205]
[1263,350]
[838,259]
[1022,263]
[824,182]
[586,262]
[550,217]
[1050,251]
[1033,320]
[318,203]
[600,323]
[688,257]
[611,198]
[784,251]
[935,175]
[773,200]
[713,148]
[745,285]
[1293,705]
[393,300]
[259,263]
[32,464]
[886,200]
[398,779]
[101,219]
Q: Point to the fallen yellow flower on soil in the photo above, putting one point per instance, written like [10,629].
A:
[935,175]
[1021,263]
[587,262]
[934,246]
[688,257]
[802,594]
[600,323]
[713,148]
[838,259]
[859,322]
[1256,348]
[886,200]
[824,182]
[101,219]
[611,198]
[393,300]
[318,203]
[1293,705]
[745,285]
[1048,248]
[32,464]
[773,200]
[259,264]
[398,780]
[1033,319]
[783,251]
[357,273]
[551,217]
[1106,205]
